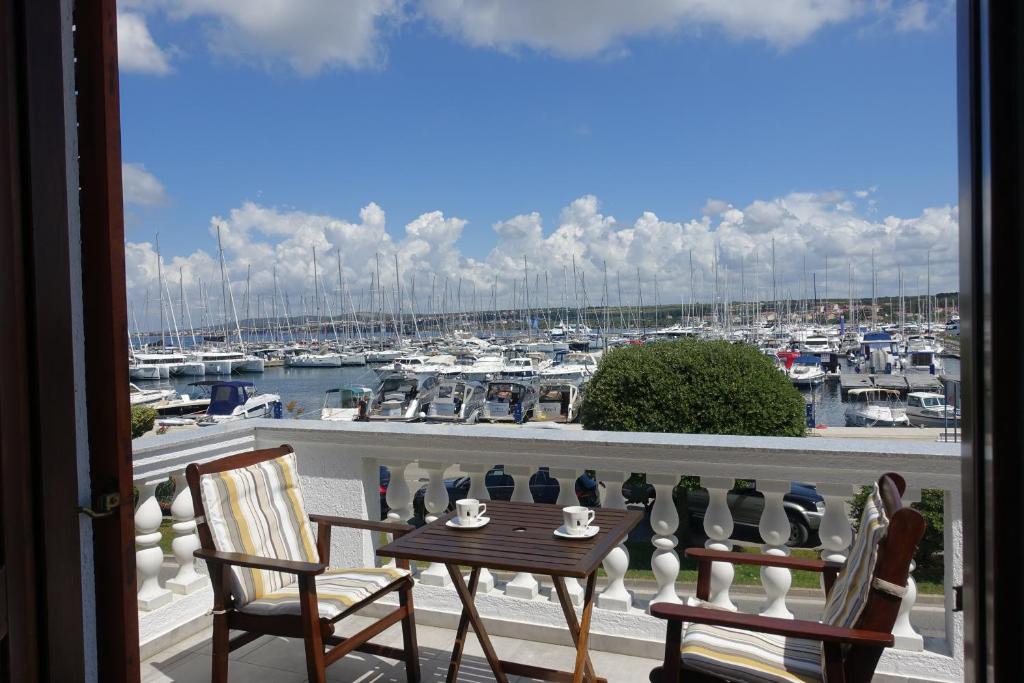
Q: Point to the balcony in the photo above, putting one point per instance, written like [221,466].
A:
[339,464]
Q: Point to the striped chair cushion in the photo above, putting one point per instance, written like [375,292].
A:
[853,585]
[739,655]
[336,589]
[258,510]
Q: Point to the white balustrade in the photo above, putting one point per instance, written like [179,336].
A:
[835,531]
[775,531]
[186,540]
[718,525]
[615,597]
[478,489]
[664,522]
[523,585]
[436,502]
[399,497]
[566,478]
[906,637]
[149,557]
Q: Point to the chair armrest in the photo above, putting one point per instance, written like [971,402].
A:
[700,554]
[793,628]
[354,523]
[255,562]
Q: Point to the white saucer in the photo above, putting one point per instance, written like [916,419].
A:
[589,533]
[454,523]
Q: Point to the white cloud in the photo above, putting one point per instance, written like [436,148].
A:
[136,50]
[307,35]
[141,187]
[804,227]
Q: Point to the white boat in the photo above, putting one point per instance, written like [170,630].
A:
[219,362]
[806,371]
[383,356]
[144,397]
[166,364]
[922,357]
[343,404]
[574,367]
[354,358]
[401,396]
[314,360]
[925,409]
[503,395]
[874,407]
[559,401]
[457,400]
[139,371]
[236,400]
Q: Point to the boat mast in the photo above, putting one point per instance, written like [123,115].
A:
[160,290]
[223,284]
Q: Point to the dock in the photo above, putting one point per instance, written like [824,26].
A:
[901,383]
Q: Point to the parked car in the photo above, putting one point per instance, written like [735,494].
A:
[803,504]
[499,485]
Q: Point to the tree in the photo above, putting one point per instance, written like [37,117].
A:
[693,386]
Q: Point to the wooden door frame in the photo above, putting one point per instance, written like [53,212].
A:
[62,300]
[991,153]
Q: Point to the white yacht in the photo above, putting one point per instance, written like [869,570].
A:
[219,362]
[874,407]
[503,395]
[343,404]
[314,360]
[457,400]
[806,371]
[925,409]
[235,400]
[575,367]
[167,365]
[922,356]
[401,397]
[559,401]
[144,397]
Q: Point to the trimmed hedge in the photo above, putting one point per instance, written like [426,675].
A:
[695,387]
[143,418]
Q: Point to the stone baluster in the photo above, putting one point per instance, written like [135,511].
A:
[566,478]
[718,525]
[664,522]
[906,637]
[436,502]
[523,585]
[615,597]
[775,531]
[149,557]
[478,489]
[186,540]
[835,531]
[399,497]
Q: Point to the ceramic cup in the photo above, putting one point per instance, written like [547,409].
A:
[470,510]
[577,519]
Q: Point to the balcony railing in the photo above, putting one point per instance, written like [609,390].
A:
[339,464]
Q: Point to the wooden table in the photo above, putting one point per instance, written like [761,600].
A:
[519,538]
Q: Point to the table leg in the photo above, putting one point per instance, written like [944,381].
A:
[471,616]
[580,634]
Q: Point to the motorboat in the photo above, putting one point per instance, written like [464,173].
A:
[314,360]
[875,407]
[148,397]
[559,401]
[922,356]
[219,362]
[343,404]
[141,371]
[925,409]
[401,396]
[238,400]
[383,356]
[166,365]
[806,371]
[505,394]
[457,400]
[575,367]
[521,367]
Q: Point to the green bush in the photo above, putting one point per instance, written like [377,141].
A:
[929,551]
[143,418]
[692,386]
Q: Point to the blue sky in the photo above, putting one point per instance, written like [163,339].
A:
[486,128]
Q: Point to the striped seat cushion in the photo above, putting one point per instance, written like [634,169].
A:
[258,510]
[336,590]
[739,655]
[853,585]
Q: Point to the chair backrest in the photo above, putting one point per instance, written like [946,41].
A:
[252,503]
[869,589]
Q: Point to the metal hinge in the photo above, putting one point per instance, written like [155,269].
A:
[103,505]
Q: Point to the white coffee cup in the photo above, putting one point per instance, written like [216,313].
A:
[470,511]
[577,519]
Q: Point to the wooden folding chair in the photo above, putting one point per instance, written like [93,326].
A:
[863,598]
[270,576]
